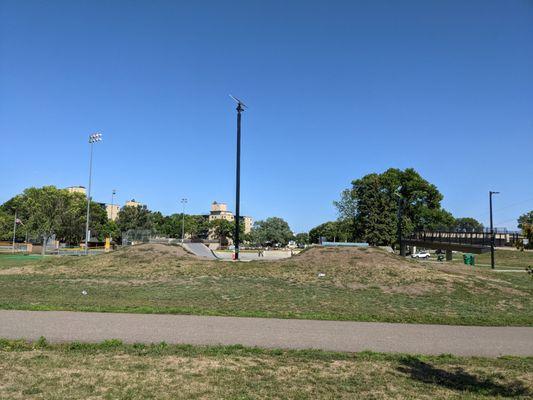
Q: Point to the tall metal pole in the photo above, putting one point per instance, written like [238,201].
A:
[14,231]
[183,202]
[113,202]
[238,182]
[400,236]
[492,236]
[88,200]
[95,137]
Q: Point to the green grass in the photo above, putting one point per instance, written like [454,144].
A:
[8,260]
[353,289]
[503,259]
[112,370]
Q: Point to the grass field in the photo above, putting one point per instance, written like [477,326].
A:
[359,284]
[504,259]
[112,370]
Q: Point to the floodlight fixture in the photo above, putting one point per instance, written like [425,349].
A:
[95,137]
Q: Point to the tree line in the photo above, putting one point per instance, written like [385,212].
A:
[375,206]
[48,211]
[368,211]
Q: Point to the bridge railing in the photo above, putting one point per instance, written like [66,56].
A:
[481,238]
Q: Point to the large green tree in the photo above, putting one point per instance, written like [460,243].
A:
[371,206]
[134,218]
[50,211]
[272,231]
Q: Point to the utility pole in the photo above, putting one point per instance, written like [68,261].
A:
[240,109]
[94,138]
[183,202]
[492,236]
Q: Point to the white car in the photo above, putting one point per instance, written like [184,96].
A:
[421,254]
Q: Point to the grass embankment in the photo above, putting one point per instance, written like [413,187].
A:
[112,370]
[359,284]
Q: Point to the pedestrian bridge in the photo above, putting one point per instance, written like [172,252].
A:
[466,242]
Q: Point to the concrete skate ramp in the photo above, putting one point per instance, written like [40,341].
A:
[200,250]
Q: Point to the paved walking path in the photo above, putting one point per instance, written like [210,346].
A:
[63,326]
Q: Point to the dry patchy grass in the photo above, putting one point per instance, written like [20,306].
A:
[359,283]
[119,371]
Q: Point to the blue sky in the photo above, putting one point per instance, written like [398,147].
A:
[336,90]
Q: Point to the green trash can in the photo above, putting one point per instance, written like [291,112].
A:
[469,259]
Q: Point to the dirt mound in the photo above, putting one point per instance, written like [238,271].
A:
[144,260]
[152,252]
[358,267]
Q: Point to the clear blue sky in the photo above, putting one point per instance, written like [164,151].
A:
[336,90]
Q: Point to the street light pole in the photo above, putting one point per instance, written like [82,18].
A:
[183,202]
[94,138]
[240,109]
[400,236]
[14,231]
[492,238]
[113,193]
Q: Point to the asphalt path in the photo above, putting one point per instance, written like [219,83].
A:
[346,336]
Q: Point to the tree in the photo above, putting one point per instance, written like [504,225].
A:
[302,239]
[223,229]
[197,226]
[50,211]
[371,206]
[525,222]
[111,230]
[468,224]
[347,210]
[158,222]
[271,231]
[6,225]
[333,231]
[134,218]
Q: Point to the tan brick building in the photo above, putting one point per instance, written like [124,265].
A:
[220,211]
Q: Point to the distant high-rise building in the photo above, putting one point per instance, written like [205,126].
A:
[76,189]
[220,211]
[112,211]
[133,203]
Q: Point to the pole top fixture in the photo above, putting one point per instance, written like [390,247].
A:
[240,104]
[95,137]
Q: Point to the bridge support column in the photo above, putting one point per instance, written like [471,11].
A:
[449,255]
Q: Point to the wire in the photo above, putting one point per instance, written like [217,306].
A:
[504,207]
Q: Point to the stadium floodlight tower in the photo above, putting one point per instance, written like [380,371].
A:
[240,108]
[94,138]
